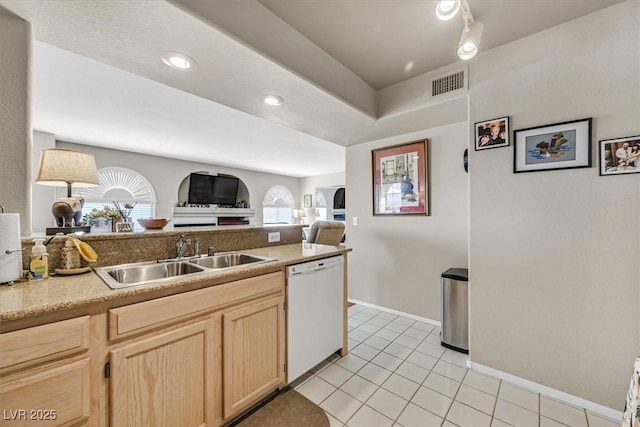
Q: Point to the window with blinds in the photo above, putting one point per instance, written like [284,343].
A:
[120,185]
[278,205]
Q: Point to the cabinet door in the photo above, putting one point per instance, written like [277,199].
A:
[55,395]
[168,379]
[253,352]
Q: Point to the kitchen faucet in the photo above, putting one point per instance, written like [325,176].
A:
[180,246]
[181,249]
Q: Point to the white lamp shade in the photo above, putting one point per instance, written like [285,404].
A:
[470,40]
[447,9]
[60,167]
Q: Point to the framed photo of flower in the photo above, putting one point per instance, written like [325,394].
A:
[557,146]
[401,179]
[492,133]
[619,156]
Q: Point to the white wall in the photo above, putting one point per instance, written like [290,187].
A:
[309,184]
[397,260]
[15,117]
[554,255]
[166,175]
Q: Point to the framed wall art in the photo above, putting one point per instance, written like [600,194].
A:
[401,179]
[307,200]
[619,156]
[492,133]
[558,146]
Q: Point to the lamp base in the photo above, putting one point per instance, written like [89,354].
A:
[50,231]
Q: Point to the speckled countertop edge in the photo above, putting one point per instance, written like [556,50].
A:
[58,293]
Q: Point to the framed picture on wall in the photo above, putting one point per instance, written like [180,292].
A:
[401,179]
[558,146]
[307,200]
[492,133]
[619,156]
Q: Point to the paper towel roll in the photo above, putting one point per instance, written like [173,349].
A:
[10,264]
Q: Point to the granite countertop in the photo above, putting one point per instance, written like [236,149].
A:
[27,299]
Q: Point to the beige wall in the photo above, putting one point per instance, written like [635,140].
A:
[15,116]
[555,255]
[397,261]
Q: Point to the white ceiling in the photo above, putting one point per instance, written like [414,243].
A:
[328,59]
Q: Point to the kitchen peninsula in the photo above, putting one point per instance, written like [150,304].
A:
[98,356]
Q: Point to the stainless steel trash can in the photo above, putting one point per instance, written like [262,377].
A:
[455,309]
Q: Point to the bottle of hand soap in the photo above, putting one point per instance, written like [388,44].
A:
[39,263]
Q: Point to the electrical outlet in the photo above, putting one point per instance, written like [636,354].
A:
[274,237]
[355,220]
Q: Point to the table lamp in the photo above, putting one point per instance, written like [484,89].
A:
[59,167]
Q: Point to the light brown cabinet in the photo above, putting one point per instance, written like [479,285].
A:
[197,358]
[45,375]
[167,379]
[254,353]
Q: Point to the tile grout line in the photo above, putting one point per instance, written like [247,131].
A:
[372,330]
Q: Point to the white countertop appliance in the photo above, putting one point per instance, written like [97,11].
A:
[315,313]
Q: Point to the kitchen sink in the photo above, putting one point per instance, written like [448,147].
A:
[226,260]
[126,275]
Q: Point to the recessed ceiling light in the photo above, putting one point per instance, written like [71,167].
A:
[178,60]
[273,100]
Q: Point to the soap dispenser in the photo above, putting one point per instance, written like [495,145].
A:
[39,261]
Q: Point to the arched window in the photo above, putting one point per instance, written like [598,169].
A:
[278,205]
[121,185]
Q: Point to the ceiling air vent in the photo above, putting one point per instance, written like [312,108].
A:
[448,83]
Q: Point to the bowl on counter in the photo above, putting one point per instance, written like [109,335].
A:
[153,223]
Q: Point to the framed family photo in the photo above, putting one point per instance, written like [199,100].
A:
[400,179]
[492,133]
[619,156]
[557,146]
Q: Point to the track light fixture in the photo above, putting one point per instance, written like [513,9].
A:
[470,39]
[447,9]
[472,32]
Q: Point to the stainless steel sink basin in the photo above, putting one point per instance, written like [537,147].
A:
[227,260]
[126,275]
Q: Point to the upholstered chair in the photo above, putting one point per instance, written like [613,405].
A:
[326,233]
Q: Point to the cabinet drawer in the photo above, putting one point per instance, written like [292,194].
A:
[144,316]
[31,346]
[55,396]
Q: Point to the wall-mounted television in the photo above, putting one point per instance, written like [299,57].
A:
[212,190]
[225,190]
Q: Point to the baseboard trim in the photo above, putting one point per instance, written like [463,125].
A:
[396,312]
[596,408]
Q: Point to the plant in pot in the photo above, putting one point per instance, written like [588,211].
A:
[98,217]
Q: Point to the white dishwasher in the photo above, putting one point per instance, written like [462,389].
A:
[315,310]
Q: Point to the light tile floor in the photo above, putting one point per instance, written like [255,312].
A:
[398,374]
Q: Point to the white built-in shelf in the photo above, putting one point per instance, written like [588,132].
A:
[207,216]
[212,211]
